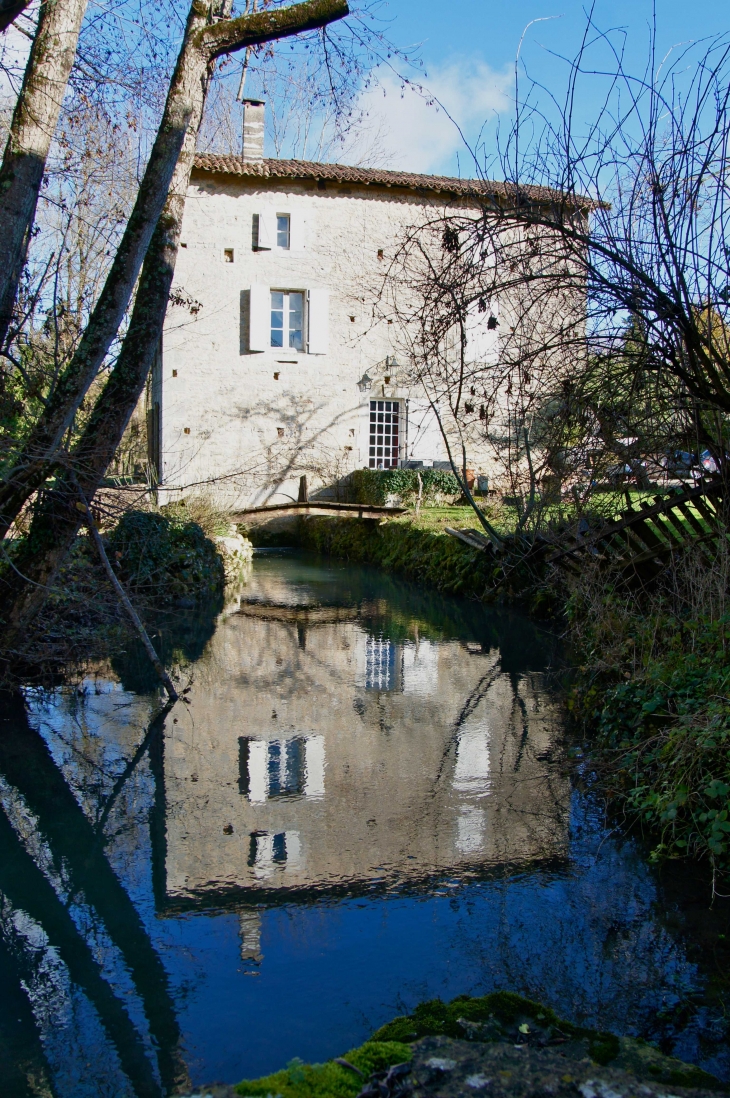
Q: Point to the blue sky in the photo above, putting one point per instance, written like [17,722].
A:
[469,47]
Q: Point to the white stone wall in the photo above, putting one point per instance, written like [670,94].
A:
[252,423]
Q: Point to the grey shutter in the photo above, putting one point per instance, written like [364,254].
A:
[267,230]
[318,322]
[259,318]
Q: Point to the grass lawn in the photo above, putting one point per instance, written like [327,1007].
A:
[503,516]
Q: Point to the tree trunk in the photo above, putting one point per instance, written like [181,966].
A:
[57,519]
[34,123]
[202,43]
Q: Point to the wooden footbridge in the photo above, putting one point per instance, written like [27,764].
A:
[640,541]
[305,508]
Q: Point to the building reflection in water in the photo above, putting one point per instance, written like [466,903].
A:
[350,760]
[329,748]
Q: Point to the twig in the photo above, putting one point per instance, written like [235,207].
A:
[124,599]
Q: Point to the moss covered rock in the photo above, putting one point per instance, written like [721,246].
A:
[464,1031]
[331,1079]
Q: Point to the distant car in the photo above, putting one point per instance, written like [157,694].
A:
[708,462]
[680,463]
[625,473]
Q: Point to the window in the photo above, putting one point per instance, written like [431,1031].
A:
[384,438]
[287,320]
[283,231]
[286,768]
[228,255]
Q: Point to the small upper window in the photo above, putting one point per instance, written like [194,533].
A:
[283,230]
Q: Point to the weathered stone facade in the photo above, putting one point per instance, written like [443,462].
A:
[250,418]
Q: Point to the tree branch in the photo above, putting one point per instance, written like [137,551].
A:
[10,10]
[266,26]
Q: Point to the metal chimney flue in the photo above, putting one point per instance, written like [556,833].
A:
[253,130]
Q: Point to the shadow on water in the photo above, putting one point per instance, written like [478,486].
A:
[74,870]
[364,804]
[179,636]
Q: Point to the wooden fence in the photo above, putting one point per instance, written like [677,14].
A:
[640,541]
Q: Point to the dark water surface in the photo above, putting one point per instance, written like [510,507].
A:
[364,804]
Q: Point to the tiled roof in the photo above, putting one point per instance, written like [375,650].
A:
[340,173]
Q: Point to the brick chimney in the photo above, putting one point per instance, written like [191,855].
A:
[253,130]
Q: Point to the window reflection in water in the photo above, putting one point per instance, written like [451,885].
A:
[383,664]
[269,850]
[280,768]
[471,772]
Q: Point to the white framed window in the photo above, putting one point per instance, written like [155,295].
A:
[384,434]
[283,231]
[287,319]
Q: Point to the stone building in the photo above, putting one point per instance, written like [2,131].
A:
[275,361]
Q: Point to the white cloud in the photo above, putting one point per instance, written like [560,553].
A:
[415,132]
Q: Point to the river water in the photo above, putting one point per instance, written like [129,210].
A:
[364,803]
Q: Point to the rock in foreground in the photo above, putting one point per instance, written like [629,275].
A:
[445,1067]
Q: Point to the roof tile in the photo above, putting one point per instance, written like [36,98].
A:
[341,173]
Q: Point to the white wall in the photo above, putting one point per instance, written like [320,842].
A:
[243,423]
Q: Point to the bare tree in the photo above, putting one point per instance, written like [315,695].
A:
[56,521]
[34,123]
[603,265]
[89,189]
[207,36]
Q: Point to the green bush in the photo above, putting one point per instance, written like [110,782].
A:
[373,486]
[668,729]
[165,558]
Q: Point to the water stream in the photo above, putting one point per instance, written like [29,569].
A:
[364,803]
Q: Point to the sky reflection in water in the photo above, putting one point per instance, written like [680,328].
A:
[363,806]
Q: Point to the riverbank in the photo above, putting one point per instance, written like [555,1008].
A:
[173,562]
[418,548]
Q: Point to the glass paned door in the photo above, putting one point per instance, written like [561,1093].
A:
[384,434]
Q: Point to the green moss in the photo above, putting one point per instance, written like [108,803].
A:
[499,1017]
[328,1080]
